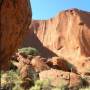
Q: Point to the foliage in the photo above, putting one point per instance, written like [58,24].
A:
[41,85]
[28,51]
[10,79]
[87,88]
[46,85]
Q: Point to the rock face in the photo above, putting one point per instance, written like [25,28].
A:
[66,35]
[58,78]
[15,17]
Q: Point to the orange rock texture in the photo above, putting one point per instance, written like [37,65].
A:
[58,77]
[15,17]
[66,35]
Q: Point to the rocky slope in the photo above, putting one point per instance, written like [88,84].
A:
[15,17]
[66,35]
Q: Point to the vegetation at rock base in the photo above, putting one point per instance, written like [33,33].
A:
[28,51]
[11,80]
[87,88]
[46,85]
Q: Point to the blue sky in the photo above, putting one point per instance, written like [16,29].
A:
[45,9]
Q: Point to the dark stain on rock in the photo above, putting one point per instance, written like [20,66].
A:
[81,23]
[1,1]
[14,3]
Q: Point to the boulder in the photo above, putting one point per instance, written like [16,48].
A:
[15,18]
[59,77]
[39,64]
[29,65]
[58,63]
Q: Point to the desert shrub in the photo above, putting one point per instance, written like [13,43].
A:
[87,88]
[10,80]
[46,85]
[28,51]
[41,85]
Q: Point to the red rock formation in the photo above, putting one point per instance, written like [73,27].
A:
[58,63]
[39,64]
[58,78]
[15,17]
[66,35]
[29,64]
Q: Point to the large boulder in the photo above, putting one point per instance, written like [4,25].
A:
[15,17]
[61,78]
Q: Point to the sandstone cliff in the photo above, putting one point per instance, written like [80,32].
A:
[67,34]
[15,17]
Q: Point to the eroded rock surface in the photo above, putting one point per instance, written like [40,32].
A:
[15,17]
[66,35]
[58,78]
[58,63]
[29,64]
[39,64]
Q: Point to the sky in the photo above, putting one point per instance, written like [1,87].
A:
[45,9]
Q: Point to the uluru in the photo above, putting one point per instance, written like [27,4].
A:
[67,34]
[42,50]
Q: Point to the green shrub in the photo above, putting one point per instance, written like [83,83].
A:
[28,51]
[10,79]
[88,88]
[46,85]
[41,85]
